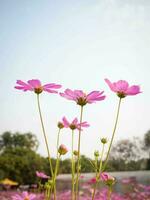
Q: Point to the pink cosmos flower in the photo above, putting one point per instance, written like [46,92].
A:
[106,177]
[42,175]
[122,88]
[81,98]
[36,86]
[74,124]
[24,196]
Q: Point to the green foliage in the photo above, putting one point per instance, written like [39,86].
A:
[86,164]
[147,147]
[20,165]
[26,140]
[65,166]
[147,140]
[18,159]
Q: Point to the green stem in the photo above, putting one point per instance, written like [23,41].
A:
[101,159]
[72,165]
[78,158]
[99,171]
[113,134]
[109,192]
[44,133]
[54,180]
[94,190]
[58,137]
[55,175]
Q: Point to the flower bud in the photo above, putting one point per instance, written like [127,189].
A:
[108,179]
[60,125]
[75,152]
[103,140]
[96,153]
[62,149]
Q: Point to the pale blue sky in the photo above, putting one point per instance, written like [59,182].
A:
[77,44]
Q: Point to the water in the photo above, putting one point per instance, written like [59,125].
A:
[142,177]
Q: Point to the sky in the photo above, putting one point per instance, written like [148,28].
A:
[76,44]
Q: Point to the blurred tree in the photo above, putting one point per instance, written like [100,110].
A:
[20,164]
[147,147]
[65,166]
[85,164]
[18,159]
[26,140]
[147,141]
[126,150]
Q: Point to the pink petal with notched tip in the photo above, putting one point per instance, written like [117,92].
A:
[49,90]
[23,86]
[35,83]
[85,124]
[133,90]
[66,96]
[52,85]
[93,94]
[22,83]
[75,121]
[79,93]
[111,85]
[70,93]
[65,122]
[97,99]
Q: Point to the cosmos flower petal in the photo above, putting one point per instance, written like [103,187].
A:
[35,83]
[97,99]
[85,124]
[66,96]
[133,90]
[23,86]
[49,90]
[65,122]
[20,82]
[52,85]
[111,85]
[75,121]
[70,93]
[79,93]
[93,94]
[24,194]
[121,86]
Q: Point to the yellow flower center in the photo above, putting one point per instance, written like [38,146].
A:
[38,90]
[26,198]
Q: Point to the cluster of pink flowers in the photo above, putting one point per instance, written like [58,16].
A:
[121,88]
